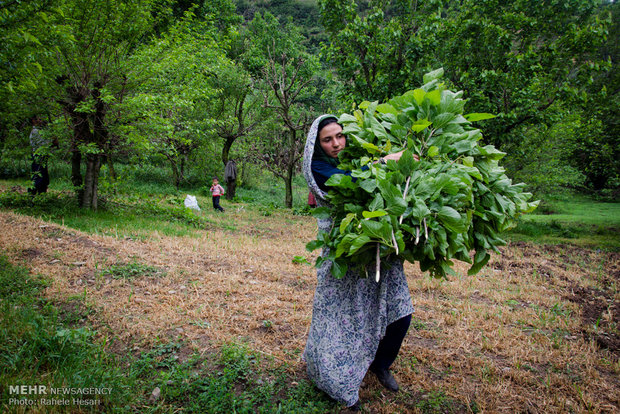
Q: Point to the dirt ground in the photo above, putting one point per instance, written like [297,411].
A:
[537,331]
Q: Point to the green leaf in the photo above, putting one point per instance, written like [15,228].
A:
[346,221]
[358,243]
[373,214]
[351,129]
[377,129]
[300,260]
[339,268]
[386,109]
[377,203]
[431,76]
[420,210]
[442,120]
[314,244]
[480,259]
[491,152]
[434,97]
[433,151]
[361,174]
[451,219]
[368,185]
[475,116]
[321,213]
[29,37]
[393,198]
[346,119]
[340,180]
[419,95]
[371,148]
[376,229]
[406,163]
[344,244]
[420,125]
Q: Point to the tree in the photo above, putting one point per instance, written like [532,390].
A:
[175,109]
[277,57]
[374,46]
[597,150]
[238,112]
[81,61]
[24,30]
[285,77]
[513,59]
[518,59]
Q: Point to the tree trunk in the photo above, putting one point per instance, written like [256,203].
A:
[76,173]
[91,181]
[230,189]
[290,171]
[182,168]
[81,133]
[93,161]
[175,173]
[289,187]
[226,149]
[111,168]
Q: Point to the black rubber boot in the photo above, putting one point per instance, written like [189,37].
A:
[386,379]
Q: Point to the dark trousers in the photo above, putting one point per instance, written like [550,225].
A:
[40,176]
[390,344]
[216,203]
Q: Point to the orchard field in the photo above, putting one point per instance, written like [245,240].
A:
[107,282]
[213,309]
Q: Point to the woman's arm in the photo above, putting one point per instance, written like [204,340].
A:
[396,156]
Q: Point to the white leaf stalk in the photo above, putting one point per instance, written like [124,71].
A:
[394,241]
[378,260]
[400,221]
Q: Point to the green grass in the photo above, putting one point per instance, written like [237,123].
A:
[572,219]
[39,347]
[119,216]
[238,380]
[51,344]
[143,200]
[131,270]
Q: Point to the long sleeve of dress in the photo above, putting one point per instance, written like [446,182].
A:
[323,170]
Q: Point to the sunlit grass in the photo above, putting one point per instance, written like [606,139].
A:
[575,220]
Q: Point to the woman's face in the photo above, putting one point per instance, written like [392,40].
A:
[332,140]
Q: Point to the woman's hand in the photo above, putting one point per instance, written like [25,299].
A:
[396,156]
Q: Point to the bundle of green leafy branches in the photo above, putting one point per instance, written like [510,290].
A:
[455,200]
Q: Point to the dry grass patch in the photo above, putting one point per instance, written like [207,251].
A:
[536,331]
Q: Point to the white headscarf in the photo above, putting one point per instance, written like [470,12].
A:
[307,164]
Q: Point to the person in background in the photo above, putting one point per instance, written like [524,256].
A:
[230,175]
[216,192]
[41,147]
[358,324]
[311,200]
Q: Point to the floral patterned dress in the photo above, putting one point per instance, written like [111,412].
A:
[349,315]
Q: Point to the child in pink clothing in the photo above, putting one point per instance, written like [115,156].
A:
[216,191]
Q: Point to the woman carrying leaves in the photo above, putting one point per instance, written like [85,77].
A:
[358,323]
